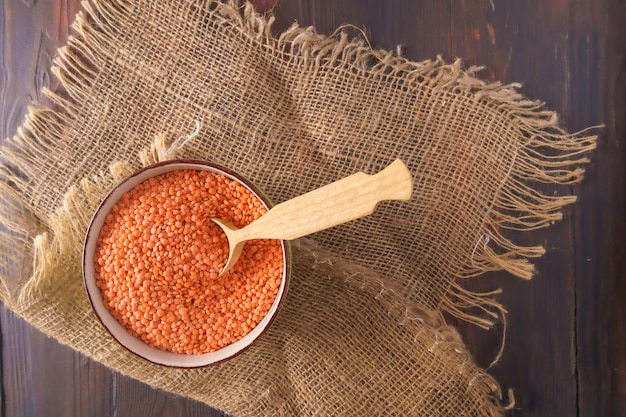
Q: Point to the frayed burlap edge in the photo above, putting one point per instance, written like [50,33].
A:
[547,153]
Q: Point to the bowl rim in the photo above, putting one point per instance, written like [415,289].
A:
[92,233]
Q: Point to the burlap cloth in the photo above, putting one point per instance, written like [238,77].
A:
[362,330]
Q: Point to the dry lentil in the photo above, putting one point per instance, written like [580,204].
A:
[158,256]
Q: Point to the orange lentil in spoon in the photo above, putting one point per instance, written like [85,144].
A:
[158,256]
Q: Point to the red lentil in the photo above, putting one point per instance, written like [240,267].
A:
[158,257]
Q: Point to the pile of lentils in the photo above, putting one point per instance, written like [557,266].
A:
[158,258]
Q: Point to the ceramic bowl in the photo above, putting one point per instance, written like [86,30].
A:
[119,332]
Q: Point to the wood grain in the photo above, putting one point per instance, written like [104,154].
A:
[565,351]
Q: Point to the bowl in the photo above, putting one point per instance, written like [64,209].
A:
[117,330]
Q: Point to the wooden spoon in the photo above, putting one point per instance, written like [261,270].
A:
[348,199]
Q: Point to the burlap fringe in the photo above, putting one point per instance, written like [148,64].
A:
[547,155]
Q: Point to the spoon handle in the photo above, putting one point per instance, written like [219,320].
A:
[348,199]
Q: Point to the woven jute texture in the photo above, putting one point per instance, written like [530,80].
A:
[362,330]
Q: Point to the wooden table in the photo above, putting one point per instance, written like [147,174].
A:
[565,353]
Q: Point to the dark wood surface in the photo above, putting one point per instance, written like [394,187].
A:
[565,352]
